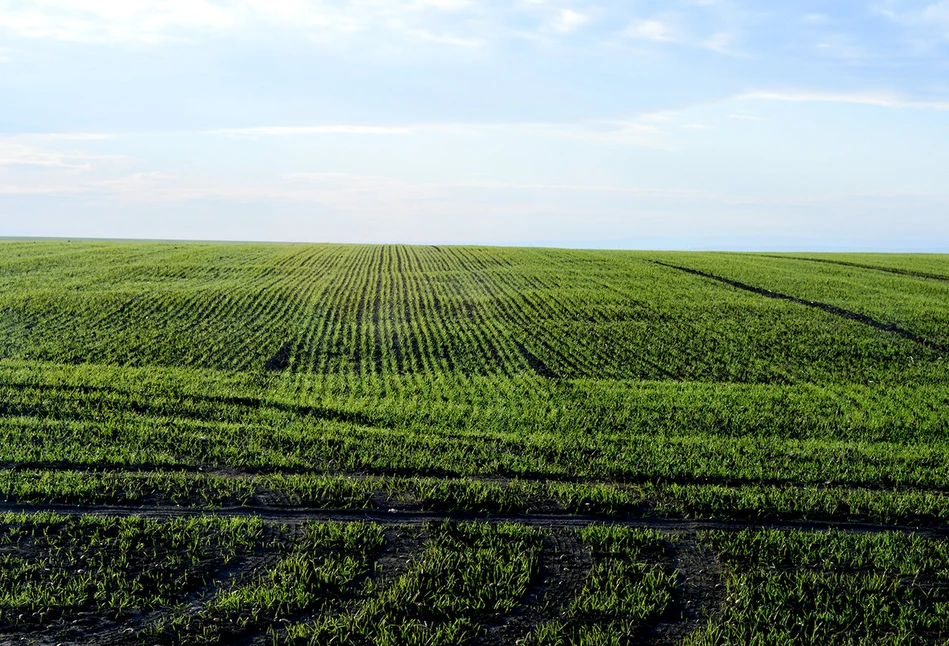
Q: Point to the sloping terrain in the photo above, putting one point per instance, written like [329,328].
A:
[259,443]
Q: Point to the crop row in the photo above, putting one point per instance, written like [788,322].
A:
[395,310]
[931,266]
[407,494]
[111,395]
[916,303]
[829,588]
[319,584]
[341,448]
[201,580]
[51,566]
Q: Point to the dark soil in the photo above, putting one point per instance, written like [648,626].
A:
[699,593]
[564,563]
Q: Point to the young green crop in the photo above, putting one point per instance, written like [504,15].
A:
[468,379]
[629,585]
[809,587]
[467,572]
[312,571]
[113,566]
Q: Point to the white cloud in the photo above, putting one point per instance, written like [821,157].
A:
[447,39]
[67,136]
[18,154]
[927,21]
[383,196]
[443,5]
[156,21]
[815,19]
[111,20]
[937,12]
[663,31]
[653,30]
[720,43]
[567,21]
[312,130]
[633,132]
[883,101]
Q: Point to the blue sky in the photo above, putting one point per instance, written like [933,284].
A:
[710,124]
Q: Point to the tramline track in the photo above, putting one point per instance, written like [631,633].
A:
[297,515]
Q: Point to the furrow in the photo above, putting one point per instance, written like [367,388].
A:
[699,593]
[857,265]
[297,515]
[564,564]
[826,307]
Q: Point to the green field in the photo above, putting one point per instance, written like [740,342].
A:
[342,444]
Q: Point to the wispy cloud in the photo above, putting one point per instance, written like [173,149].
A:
[17,154]
[107,20]
[721,42]
[667,32]
[363,194]
[154,22]
[937,12]
[926,26]
[567,21]
[632,132]
[653,30]
[67,136]
[425,35]
[879,100]
[815,19]
[387,25]
[934,14]
[443,5]
[360,182]
[284,131]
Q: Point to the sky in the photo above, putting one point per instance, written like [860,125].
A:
[682,124]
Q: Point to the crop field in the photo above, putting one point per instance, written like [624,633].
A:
[209,443]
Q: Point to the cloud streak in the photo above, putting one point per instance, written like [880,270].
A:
[289,131]
[453,23]
[878,100]
[16,154]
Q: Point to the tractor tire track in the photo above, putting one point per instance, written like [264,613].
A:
[698,595]
[564,564]
[892,328]
[401,546]
[96,626]
[298,515]
[261,558]
[857,265]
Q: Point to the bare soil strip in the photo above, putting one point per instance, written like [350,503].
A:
[843,263]
[297,515]
[699,593]
[892,328]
